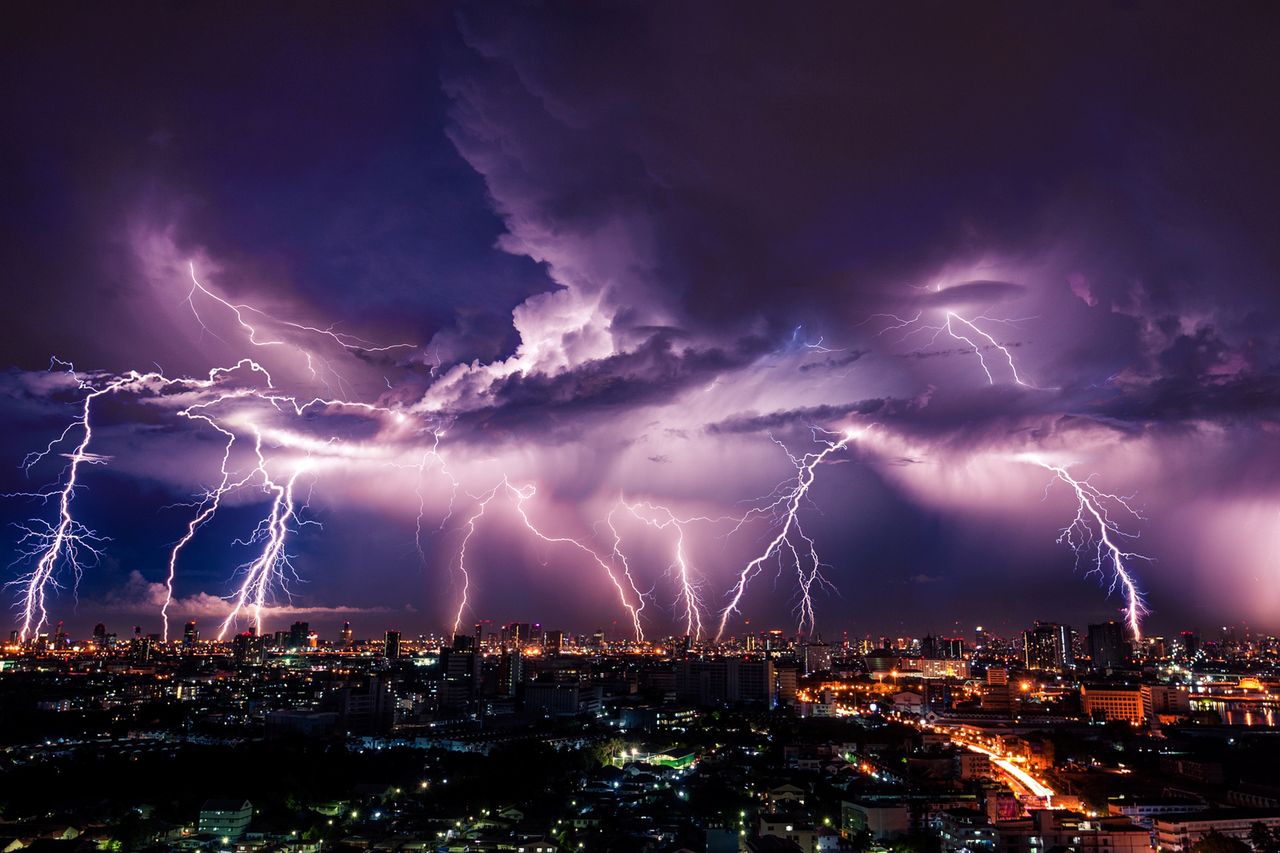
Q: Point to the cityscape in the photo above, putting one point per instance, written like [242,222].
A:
[532,426]
[524,737]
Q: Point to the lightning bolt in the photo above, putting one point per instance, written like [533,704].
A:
[964,330]
[1095,531]
[346,341]
[270,566]
[689,596]
[68,546]
[520,496]
[784,507]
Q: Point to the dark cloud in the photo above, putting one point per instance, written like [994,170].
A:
[970,293]
[655,372]
[821,416]
[805,161]
[842,359]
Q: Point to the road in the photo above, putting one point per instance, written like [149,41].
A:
[1018,778]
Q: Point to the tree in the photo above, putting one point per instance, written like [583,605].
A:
[1215,842]
[605,751]
[1263,839]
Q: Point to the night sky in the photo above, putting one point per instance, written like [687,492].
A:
[645,257]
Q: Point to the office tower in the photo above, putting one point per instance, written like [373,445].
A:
[298,635]
[460,667]
[937,697]
[515,635]
[597,639]
[980,639]
[391,645]
[817,658]
[552,641]
[246,649]
[1107,648]
[1047,647]
[1190,644]
[727,680]
[951,648]
[100,635]
[190,636]
[511,673]
[344,639]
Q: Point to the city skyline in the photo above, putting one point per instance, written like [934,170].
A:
[301,631]
[840,322]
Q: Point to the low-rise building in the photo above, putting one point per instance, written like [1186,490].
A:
[1045,829]
[225,818]
[965,831]
[1113,702]
[1177,832]
[884,820]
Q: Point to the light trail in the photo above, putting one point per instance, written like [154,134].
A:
[1033,785]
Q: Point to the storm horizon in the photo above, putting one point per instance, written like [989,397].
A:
[656,319]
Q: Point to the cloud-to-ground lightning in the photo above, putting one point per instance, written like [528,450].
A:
[785,506]
[67,545]
[689,586]
[1095,531]
[632,602]
[67,542]
[242,401]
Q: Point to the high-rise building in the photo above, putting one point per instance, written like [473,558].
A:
[817,658]
[460,667]
[344,639]
[246,649]
[298,635]
[100,635]
[726,681]
[515,635]
[1190,642]
[552,641]
[1047,647]
[391,645]
[511,672]
[980,638]
[190,636]
[1107,649]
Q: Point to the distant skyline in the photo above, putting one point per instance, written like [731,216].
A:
[368,628]
[893,320]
